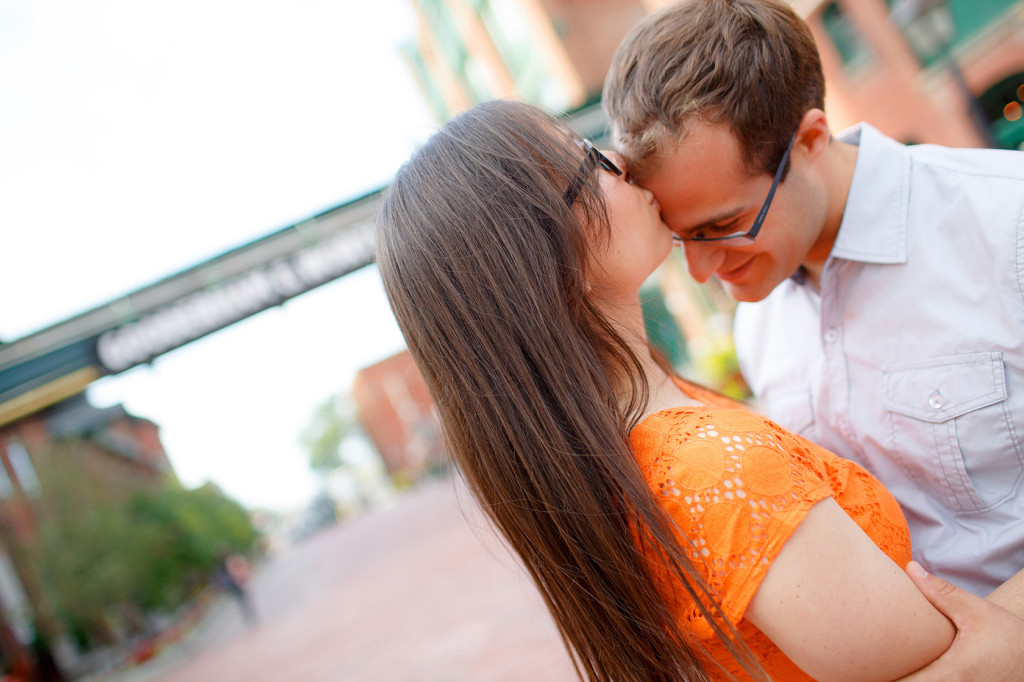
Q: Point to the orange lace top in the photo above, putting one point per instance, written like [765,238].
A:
[738,485]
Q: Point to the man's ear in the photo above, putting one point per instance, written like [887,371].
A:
[813,135]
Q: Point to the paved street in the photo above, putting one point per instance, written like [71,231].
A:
[412,592]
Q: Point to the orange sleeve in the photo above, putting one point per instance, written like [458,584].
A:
[737,485]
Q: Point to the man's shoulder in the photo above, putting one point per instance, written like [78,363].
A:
[981,163]
[950,188]
[967,160]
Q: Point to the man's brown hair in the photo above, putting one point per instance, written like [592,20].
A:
[751,64]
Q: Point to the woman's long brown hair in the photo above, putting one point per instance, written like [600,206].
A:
[484,265]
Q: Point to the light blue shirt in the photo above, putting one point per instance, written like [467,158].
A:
[910,358]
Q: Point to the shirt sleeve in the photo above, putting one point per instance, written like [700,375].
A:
[737,486]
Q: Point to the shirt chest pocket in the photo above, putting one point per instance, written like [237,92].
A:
[952,429]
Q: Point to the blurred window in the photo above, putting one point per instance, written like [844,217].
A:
[513,39]
[453,49]
[971,16]
[23,471]
[426,80]
[934,27]
[6,487]
[849,42]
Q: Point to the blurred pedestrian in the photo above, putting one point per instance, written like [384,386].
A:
[232,576]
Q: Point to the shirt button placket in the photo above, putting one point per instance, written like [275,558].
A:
[836,379]
[832,406]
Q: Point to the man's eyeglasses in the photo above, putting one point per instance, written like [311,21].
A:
[745,238]
[593,158]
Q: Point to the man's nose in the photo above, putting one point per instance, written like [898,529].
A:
[702,259]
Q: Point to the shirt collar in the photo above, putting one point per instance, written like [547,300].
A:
[874,225]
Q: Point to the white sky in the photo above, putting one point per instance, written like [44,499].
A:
[139,138]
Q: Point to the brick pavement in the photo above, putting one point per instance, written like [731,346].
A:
[411,593]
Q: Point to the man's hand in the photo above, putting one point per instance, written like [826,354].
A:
[989,645]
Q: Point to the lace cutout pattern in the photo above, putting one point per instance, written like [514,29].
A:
[738,485]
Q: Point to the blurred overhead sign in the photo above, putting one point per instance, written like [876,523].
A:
[60,361]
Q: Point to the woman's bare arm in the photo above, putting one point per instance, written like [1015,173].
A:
[843,610]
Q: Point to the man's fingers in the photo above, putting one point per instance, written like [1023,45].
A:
[989,644]
[953,602]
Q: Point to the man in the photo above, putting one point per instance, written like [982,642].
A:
[882,295]
[989,645]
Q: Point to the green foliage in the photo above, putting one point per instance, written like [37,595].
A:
[181,534]
[332,422]
[662,329]
[722,366]
[146,550]
[84,558]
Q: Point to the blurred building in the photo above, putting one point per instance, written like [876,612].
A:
[944,71]
[115,453]
[398,416]
[553,53]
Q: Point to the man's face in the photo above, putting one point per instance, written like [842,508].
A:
[705,188]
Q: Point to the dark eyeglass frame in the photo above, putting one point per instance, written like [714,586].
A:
[755,227]
[593,158]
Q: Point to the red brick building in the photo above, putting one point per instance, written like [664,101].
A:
[942,71]
[397,413]
[554,53]
[106,450]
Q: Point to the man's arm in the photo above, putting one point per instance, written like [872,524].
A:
[1010,595]
[989,645]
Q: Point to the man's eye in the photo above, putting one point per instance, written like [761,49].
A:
[712,231]
[722,229]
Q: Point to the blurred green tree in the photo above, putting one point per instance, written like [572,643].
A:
[332,422]
[96,553]
[181,535]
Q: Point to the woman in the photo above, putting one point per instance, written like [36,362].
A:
[648,511]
